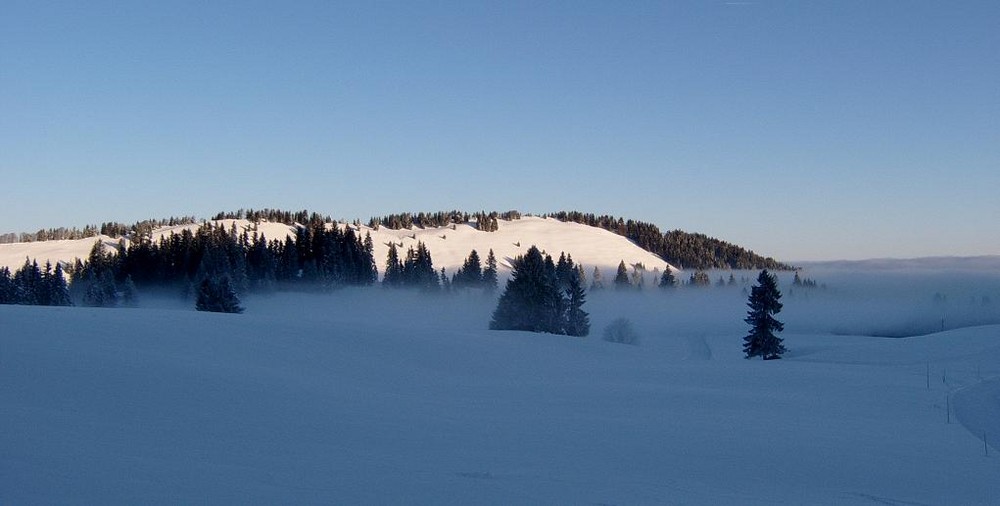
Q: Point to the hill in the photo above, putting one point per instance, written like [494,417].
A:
[449,245]
[682,250]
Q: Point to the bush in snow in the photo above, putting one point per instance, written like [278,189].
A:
[621,331]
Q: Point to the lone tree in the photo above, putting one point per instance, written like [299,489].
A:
[763,304]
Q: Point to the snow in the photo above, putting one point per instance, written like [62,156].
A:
[589,246]
[384,396]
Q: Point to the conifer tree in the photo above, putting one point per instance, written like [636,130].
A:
[577,320]
[597,281]
[217,295]
[129,296]
[531,301]
[8,292]
[565,270]
[621,278]
[762,341]
[59,289]
[700,278]
[667,280]
[490,273]
[470,275]
[393,268]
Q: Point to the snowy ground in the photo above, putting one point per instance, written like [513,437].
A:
[374,396]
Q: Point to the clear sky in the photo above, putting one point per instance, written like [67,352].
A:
[800,129]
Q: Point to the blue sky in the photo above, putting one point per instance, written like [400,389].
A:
[803,130]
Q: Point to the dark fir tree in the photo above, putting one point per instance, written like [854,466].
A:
[577,320]
[58,288]
[418,269]
[393,268]
[470,275]
[8,291]
[531,301]
[445,282]
[565,271]
[217,295]
[490,273]
[621,278]
[764,304]
[667,280]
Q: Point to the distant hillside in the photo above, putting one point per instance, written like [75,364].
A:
[681,249]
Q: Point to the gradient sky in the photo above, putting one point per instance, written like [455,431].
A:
[801,129]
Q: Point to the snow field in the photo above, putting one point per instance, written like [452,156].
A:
[381,396]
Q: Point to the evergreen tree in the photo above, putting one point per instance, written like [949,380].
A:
[763,303]
[445,283]
[8,291]
[577,320]
[565,270]
[129,296]
[667,280]
[393,268]
[470,275]
[597,281]
[59,289]
[217,295]
[29,284]
[490,273]
[638,277]
[531,301]
[621,278]
[700,278]
[418,269]
[101,291]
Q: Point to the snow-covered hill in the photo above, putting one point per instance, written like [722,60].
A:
[449,246]
[369,396]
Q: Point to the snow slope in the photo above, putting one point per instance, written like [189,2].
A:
[591,246]
[391,397]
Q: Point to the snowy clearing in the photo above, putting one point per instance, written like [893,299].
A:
[381,396]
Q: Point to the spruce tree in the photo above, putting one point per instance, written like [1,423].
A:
[597,280]
[667,280]
[129,296]
[490,273]
[58,289]
[762,341]
[577,320]
[470,275]
[621,278]
[531,301]
[8,291]
[393,268]
[217,295]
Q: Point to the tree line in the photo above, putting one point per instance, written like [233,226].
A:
[682,249]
